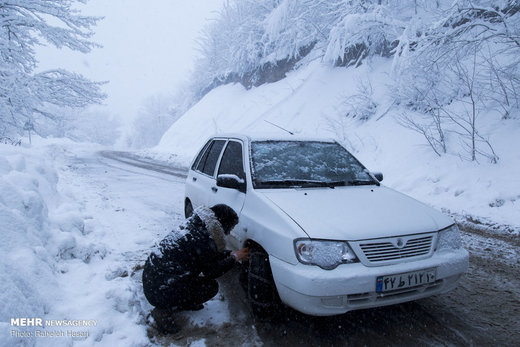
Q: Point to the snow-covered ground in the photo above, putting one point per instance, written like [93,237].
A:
[76,227]
[314,99]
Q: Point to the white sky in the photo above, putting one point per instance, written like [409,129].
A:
[148,48]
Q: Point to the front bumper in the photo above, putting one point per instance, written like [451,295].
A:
[312,290]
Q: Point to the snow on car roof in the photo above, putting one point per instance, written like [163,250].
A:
[273,137]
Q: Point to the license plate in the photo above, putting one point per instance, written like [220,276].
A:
[405,280]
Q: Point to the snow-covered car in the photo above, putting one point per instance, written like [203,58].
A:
[326,236]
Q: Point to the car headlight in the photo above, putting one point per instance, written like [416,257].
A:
[449,238]
[326,254]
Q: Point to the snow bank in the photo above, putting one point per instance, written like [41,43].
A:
[55,263]
[315,100]
[27,281]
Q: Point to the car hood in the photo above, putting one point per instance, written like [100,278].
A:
[356,212]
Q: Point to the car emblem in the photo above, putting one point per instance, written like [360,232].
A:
[400,243]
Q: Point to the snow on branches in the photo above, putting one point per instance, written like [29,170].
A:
[462,65]
[454,61]
[25,24]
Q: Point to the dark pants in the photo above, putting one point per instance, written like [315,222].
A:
[180,294]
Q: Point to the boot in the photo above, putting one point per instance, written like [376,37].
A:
[164,320]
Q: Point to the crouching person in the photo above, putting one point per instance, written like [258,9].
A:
[180,273]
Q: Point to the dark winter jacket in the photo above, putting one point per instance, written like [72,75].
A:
[185,254]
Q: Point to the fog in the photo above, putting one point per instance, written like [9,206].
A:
[148,49]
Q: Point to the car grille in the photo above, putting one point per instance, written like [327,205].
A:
[396,248]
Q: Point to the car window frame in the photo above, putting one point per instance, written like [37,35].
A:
[200,155]
[206,154]
[243,173]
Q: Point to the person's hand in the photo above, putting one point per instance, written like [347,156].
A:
[241,255]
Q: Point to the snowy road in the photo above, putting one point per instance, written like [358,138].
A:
[135,201]
[125,210]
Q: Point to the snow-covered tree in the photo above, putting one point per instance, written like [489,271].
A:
[258,41]
[363,29]
[231,46]
[85,125]
[453,60]
[24,94]
[156,115]
[464,61]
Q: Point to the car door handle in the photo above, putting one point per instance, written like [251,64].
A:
[194,179]
[214,189]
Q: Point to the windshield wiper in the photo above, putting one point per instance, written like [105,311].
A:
[362,183]
[302,183]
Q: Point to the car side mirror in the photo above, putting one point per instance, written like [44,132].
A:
[378,176]
[232,182]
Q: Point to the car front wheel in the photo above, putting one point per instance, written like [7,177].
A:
[261,289]
[188,209]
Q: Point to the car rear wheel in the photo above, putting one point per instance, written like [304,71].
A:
[261,289]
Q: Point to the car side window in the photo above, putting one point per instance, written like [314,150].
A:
[232,162]
[199,156]
[209,159]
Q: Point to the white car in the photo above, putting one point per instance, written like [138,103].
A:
[326,236]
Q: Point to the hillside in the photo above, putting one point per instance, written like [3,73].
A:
[315,99]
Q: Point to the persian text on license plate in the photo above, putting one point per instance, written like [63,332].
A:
[405,280]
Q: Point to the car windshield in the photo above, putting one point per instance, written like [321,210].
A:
[283,164]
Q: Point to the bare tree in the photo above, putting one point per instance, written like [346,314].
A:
[469,59]
[430,125]
[362,104]
[467,122]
